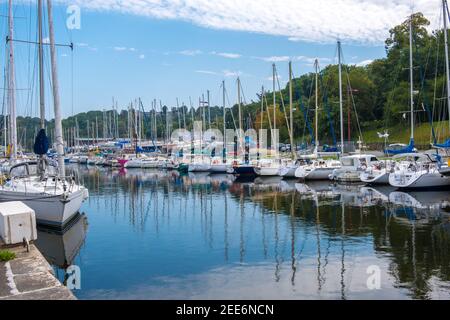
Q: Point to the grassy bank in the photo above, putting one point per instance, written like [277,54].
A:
[401,133]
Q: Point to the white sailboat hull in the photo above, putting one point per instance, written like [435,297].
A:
[419,180]
[219,168]
[375,177]
[267,171]
[320,173]
[199,167]
[49,209]
[287,171]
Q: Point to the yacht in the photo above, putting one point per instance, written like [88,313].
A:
[421,172]
[352,167]
[54,200]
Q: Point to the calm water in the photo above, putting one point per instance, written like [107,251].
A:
[157,235]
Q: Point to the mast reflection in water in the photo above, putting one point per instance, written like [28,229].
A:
[159,235]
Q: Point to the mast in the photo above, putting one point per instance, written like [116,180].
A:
[41,67]
[202,104]
[261,124]
[274,108]
[239,111]
[341,113]
[316,66]
[444,7]
[12,87]
[57,107]
[209,110]
[411,83]
[224,158]
[291,112]
[178,115]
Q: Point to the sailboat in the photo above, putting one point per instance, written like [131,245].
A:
[241,168]
[317,169]
[200,163]
[425,172]
[221,164]
[55,198]
[270,167]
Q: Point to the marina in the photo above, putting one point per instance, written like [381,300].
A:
[304,189]
[205,236]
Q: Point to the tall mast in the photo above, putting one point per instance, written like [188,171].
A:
[57,107]
[224,124]
[209,110]
[411,83]
[12,87]
[316,66]
[203,112]
[239,111]
[341,113]
[41,67]
[444,7]
[291,111]
[178,115]
[274,100]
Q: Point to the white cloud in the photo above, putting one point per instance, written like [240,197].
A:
[275,58]
[132,49]
[142,56]
[223,73]
[82,44]
[227,55]
[190,52]
[120,48]
[46,40]
[364,63]
[229,73]
[206,72]
[362,21]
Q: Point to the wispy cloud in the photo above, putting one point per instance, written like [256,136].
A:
[86,46]
[223,73]
[363,21]
[207,72]
[275,58]
[226,55]
[190,52]
[120,48]
[229,73]
[142,56]
[364,63]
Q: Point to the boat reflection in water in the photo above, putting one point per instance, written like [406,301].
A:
[169,236]
[61,247]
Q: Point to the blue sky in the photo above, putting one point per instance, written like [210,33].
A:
[128,52]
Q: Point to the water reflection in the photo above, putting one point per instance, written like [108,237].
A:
[166,235]
[61,247]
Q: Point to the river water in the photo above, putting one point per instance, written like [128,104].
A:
[149,234]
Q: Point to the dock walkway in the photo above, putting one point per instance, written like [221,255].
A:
[30,277]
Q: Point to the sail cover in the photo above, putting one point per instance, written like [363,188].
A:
[41,143]
[408,149]
[444,145]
